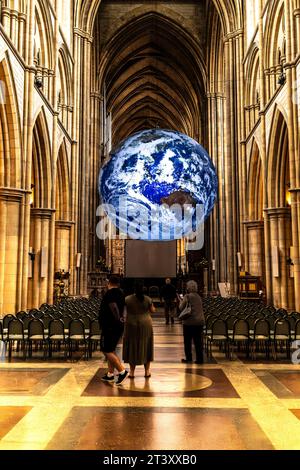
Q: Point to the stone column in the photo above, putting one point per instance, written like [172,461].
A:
[292,55]
[11,204]
[40,239]
[216,119]
[62,245]
[95,150]
[280,236]
[82,57]
[231,164]
[27,145]
[264,91]
[256,251]
[22,23]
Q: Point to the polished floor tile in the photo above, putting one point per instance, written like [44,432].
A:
[283,383]
[28,381]
[150,429]
[222,404]
[186,382]
[10,416]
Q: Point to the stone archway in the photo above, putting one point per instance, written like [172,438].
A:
[41,216]
[255,263]
[11,195]
[279,214]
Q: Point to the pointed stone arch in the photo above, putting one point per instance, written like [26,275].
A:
[41,213]
[11,194]
[279,212]
[230,12]
[10,143]
[138,73]
[255,223]
[62,204]
[63,222]
[41,174]
[278,161]
[255,184]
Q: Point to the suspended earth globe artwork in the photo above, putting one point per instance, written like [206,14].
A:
[158,185]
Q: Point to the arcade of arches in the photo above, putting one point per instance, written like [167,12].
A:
[78,76]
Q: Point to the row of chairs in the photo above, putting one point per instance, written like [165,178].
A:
[261,338]
[51,336]
[251,319]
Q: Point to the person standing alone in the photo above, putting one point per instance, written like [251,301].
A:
[193,326]
[111,319]
[168,293]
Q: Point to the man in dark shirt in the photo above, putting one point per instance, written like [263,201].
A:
[111,319]
[168,293]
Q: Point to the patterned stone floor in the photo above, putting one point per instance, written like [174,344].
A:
[63,405]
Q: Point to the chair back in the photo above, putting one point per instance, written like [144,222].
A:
[46,319]
[86,320]
[21,315]
[15,328]
[297,330]
[76,328]
[219,328]
[292,321]
[35,313]
[36,328]
[7,319]
[262,328]
[27,320]
[230,321]
[241,328]
[282,328]
[56,328]
[95,328]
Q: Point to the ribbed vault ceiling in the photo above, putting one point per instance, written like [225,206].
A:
[152,74]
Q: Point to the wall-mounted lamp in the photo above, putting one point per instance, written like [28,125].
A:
[39,82]
[32,254]
[288,195]
[282,77]
[32,195]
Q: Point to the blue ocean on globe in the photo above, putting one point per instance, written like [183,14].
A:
[158,185]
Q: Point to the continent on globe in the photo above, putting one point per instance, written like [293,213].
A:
[148,175]
[178,197]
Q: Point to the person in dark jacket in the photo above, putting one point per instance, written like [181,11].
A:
[168,294]
[111,319]
[193,326]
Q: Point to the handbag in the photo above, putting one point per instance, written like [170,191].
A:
[186,312]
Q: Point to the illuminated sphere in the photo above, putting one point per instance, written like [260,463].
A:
[153,170]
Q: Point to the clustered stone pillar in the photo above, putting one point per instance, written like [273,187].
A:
[40,243]
[281,239]
[255,235]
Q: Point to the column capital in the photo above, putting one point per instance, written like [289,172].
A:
[97,95]
[278,212]
[254,224]
[234,34]
[40,213]
[83,34]
[297,12]
[64,224]
[12,194]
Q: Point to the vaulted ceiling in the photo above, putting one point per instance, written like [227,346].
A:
[152,74]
